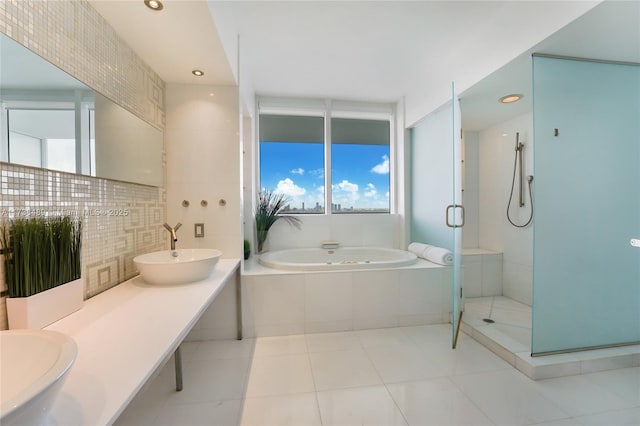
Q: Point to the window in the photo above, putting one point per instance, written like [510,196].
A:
[296,156]
[359,166]
[43,138]
[49,134]
[292,160]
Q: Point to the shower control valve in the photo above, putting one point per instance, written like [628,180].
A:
[635,242]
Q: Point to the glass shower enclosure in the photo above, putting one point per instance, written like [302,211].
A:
[586,275]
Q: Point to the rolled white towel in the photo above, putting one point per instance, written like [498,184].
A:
[438,255]
[417,248]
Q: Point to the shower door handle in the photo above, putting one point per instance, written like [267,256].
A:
[454,206]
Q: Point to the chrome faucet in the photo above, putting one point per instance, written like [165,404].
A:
[174,237]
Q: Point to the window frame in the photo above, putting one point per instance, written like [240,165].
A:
[84,156]
[328,109]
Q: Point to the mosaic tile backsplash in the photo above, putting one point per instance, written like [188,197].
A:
[72,35]
[120,220]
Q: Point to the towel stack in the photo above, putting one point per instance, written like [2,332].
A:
[434,254]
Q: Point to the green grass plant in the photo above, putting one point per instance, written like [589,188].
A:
[41,253]
[268,211]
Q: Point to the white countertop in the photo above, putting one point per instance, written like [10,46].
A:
[123,336]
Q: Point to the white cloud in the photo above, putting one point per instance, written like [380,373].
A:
[345,193]
[371,191]
[298,171]
[346,186]
[289,188]
[319,173]
[382,168]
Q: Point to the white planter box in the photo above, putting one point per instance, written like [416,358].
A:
[42,309]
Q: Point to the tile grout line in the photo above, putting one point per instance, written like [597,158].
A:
[313,379]
[404,417]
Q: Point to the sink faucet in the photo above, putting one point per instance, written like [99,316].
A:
[173,238]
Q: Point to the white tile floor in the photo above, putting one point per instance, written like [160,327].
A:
[394,376]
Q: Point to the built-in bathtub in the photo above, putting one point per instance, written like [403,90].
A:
[342,297]
[344,258]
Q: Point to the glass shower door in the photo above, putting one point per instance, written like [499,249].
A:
[586,290]
[457,222]
[436,211]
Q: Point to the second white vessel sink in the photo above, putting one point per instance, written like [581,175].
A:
[181,266]
[34,364]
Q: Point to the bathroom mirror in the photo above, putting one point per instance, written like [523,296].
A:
[51,120]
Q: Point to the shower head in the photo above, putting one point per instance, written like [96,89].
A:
[519,145]
[530,178]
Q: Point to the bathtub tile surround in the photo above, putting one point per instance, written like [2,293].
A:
[328,302]
[73,36]
[285,302]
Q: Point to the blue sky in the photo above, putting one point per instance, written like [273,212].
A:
[360,175]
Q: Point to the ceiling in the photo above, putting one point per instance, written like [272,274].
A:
[355,50]
[609,31]
[174,41]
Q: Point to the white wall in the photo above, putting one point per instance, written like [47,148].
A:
[470,189]
[378,230]
[248,179]
[496,157]
[203,163]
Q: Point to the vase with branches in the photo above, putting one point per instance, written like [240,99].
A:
[268,211]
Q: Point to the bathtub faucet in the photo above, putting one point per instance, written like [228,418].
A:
[174,237]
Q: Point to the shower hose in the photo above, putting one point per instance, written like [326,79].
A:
[513,182]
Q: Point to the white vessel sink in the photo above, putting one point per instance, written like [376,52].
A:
[33,364]
[188,265]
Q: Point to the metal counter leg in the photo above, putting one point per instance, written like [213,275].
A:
[178,367]
[239,305]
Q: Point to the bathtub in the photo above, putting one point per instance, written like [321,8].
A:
[317,259]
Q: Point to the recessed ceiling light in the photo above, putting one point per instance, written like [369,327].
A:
[509,99]
[154,4]
[197,73]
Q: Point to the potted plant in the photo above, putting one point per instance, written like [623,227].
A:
[269,211]
[42,269]
[247,249]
